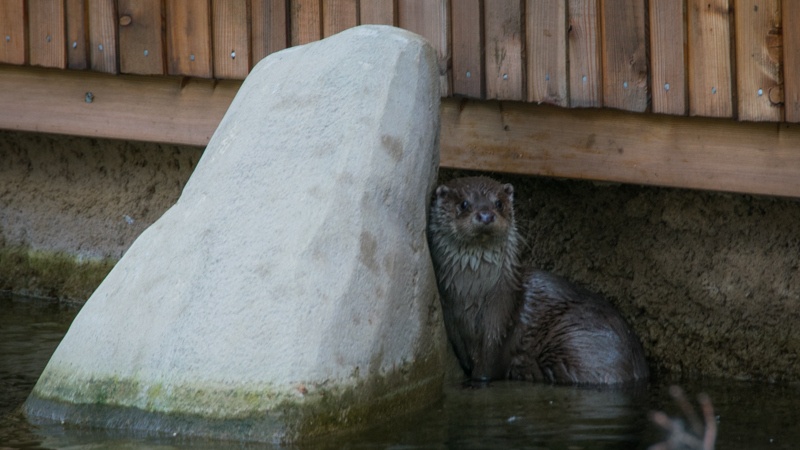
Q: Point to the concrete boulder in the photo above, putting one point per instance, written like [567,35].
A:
[289,291]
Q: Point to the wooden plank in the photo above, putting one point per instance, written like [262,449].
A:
[624,55]
[791,59]
[103,35]
[338,15]
[667,56]
[759,55]
[618,146]
[269,27]
[306,20]
[505,79]
[381,12]
[157,109]
[77,35]
[585,62]
[546,46]
[231,38]
[12,32]
[709,37]
[46,33]
[429,19]
[141,37]
[189,38]
[467,48]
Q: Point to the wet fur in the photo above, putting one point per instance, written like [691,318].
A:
[506,322]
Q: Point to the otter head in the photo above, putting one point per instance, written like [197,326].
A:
[473,212]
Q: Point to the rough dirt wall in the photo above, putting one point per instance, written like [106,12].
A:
[710,281]
[87,197]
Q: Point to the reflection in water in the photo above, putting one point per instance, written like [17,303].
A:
[506,415]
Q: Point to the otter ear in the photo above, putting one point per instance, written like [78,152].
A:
[508,188]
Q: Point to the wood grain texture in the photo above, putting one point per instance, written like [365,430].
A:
[156,109]
[759,55]
[231,38]
[618,146]
[269,27]
[546,46]
[103,35]
[505,76]
[625,73]
[141,37]
[306,20]
[338,15]
[381,12]
[585,59]
[46,33]
[77,35]
[12,32]
[709,41]
[667,56]
[791,59]
[429,19]
[467,48]
[189,38]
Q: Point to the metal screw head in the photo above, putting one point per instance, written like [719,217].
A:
[469,74]
[625,84]
[713,90]
[666,86]
[233,54]
[89,98]
[146,53]
[8,38]
[100,47]
[760,92]
[585,79]
[505,76]
[74,44]
[48,38]
[191,57]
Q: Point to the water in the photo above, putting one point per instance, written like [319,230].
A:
[507,415]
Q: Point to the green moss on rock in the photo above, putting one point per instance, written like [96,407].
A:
[50,274]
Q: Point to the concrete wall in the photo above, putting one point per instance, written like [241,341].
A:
[710,281]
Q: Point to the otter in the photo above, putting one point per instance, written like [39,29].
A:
[506,321]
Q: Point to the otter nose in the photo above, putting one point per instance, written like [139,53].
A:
[485,217]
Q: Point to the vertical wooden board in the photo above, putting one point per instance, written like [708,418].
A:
[429,19]
[585,61]
[231,38]
[624,55]
[467,48]
[338,15]
[709,37]
[791,59]
[103,35]
[667,56]
[306,20]
[46,33]
[77,43]
[12,31]
[269,22]
[503,40]
[381,12]
[546,30]
[759,55]
[141,38]
[189,38]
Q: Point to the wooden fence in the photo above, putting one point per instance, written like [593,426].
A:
[714,58]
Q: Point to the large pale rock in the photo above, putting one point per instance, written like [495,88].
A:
[289,291]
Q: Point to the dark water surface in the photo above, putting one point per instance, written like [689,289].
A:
[505,416]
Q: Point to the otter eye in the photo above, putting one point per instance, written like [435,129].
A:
[499,205]
[464,205]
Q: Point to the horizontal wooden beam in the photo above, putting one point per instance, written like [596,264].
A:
[512,137]
[609,145]
[160,109]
